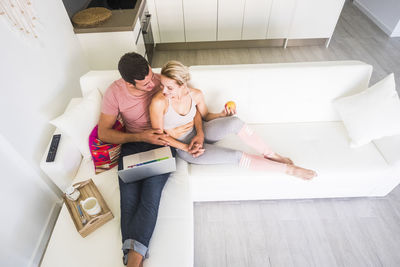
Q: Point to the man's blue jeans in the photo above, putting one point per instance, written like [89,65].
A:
[139,204]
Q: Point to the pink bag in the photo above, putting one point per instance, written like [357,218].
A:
[105,156]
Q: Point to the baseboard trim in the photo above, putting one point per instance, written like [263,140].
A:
[240,44]
[45,235]
[372,17]
[220,44]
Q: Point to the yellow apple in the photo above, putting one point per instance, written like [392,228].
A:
[230,105]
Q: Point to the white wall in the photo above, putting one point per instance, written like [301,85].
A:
[26,205]
[37,80]
[385,13]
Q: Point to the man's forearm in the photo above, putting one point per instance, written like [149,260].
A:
[116,137]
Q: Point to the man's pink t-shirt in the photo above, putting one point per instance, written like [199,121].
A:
[133,109]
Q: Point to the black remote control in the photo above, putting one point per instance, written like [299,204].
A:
[53,148]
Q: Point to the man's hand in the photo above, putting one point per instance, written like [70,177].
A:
[196,145]
[154,136]
[180,130]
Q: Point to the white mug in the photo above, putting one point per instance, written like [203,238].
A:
[91,206]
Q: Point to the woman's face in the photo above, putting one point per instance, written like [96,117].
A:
[170,87]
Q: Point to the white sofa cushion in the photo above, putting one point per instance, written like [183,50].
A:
[79,121]
[371,114]
[321,146]
[288,92]
[172,243]
[308,92]
[98,79]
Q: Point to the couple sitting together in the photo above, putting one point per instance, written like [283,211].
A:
[161,109]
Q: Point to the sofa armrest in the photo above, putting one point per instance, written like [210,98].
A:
[67,161]
[389,147]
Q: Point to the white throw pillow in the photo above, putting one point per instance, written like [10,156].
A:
[79,121]
[371,114]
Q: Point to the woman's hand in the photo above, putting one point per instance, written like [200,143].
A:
[230,108]
[195,147]
[228,112]
[197,139]
[195,151]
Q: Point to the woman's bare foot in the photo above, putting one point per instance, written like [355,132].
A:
[278,158]
[300,172]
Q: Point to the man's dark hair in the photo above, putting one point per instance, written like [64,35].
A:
[133,66]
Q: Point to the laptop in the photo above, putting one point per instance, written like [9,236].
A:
[146,164]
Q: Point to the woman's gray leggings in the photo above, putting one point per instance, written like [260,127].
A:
[214,131]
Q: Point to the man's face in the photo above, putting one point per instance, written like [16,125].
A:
[148,83]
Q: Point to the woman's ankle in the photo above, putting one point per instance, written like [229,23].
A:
[278,158]
[258,163]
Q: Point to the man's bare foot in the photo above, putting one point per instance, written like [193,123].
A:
[134,259]
[278,158]
[300,172]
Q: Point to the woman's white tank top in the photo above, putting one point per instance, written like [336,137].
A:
[172,119]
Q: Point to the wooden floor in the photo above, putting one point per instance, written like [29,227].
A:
[325,232]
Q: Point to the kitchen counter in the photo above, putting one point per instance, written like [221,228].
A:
[120,20]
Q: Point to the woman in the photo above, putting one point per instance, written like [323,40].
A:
[177,104]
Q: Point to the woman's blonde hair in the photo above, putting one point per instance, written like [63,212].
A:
[176,71]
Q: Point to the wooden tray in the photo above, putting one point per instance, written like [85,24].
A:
[88,189]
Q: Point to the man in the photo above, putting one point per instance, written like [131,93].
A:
[130,98]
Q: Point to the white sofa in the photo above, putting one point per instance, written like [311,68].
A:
[289,105]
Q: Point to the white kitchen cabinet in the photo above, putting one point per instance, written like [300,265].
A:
[200,20]
[281,18]
[221,20]
[315,18]
[256,17]
[170,21]
[230,19]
